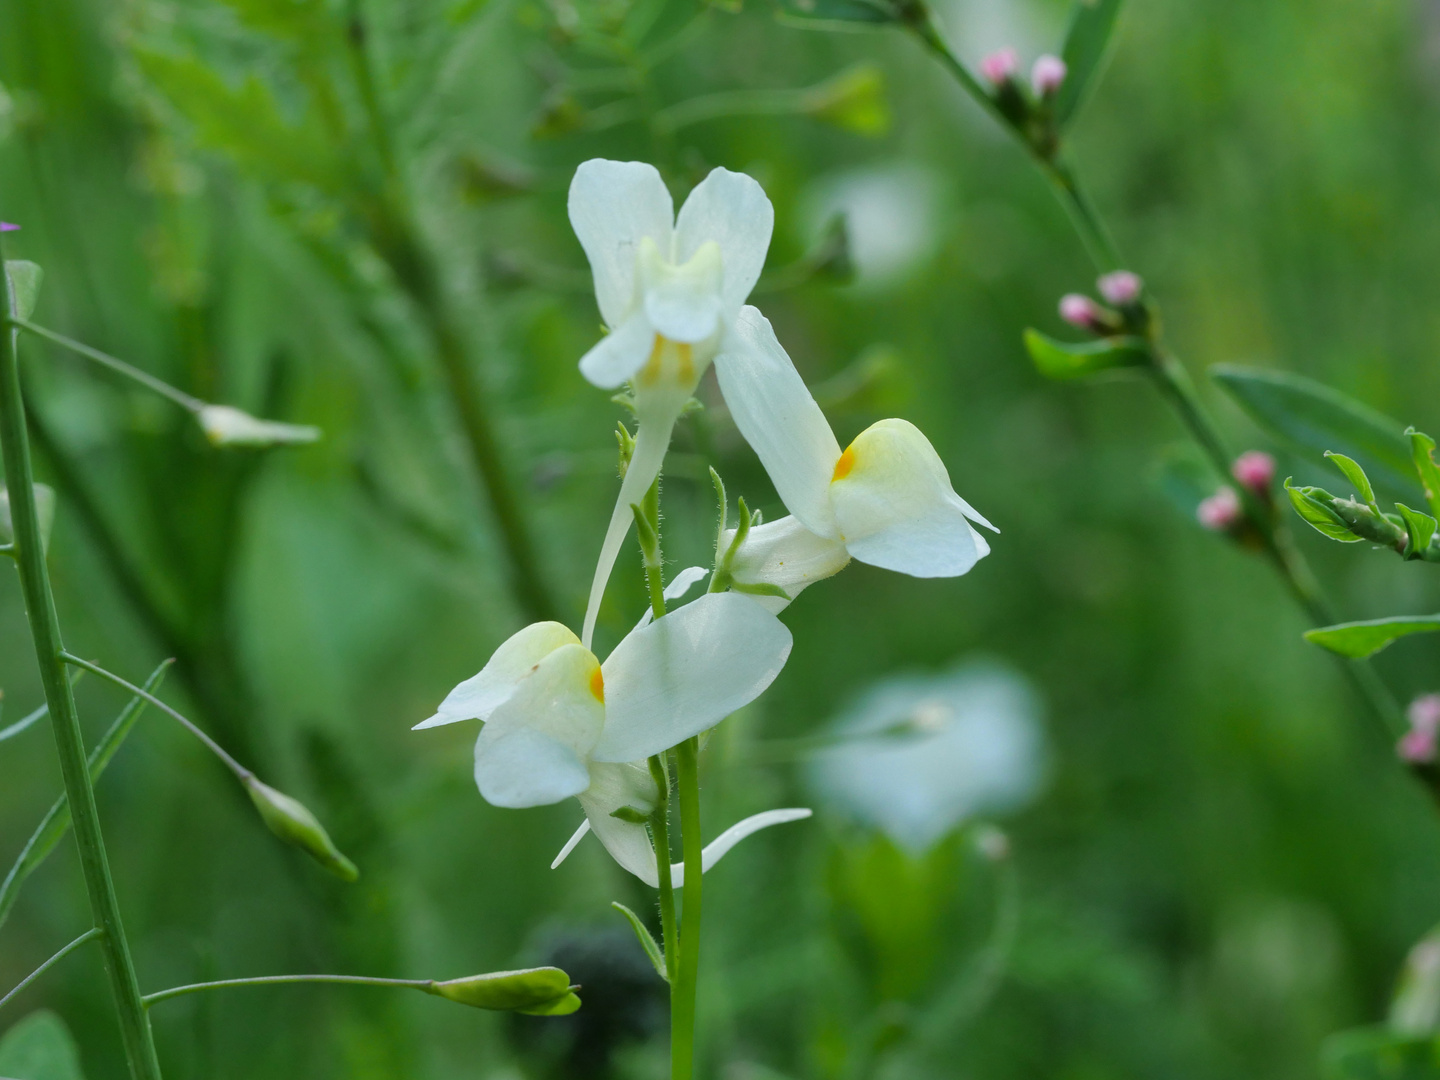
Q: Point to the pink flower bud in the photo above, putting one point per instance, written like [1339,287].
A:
[1416,747]
[1220,512]
[1080,311]
[1047,75]
[1255,470]
[5,226]
[1120,287]
[1424,713]
[1000,66]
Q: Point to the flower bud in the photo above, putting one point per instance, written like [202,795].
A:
[293,822]
[1418,745]
[225,425]
[1081,311]
[1047,75]
[1000,66]
[1254,470]
[544,991]
[6,226]
[1424,713]
[1120,287]
[1220,512]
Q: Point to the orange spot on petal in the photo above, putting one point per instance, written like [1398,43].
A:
[597,686]
[844,465]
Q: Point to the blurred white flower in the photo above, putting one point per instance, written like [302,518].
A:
[44,510]
[559,723]
[891,217]
[885,500]
[225,425]
[920,754]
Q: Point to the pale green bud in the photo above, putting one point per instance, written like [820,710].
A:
[293,822]
[544,991]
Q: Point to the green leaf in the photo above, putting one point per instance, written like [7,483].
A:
[526,991]
[40,1047]
[1356,475]
[1422,452]
[1378,1053]
[1361,639]
[1421,528]
[56,822]
[1064,360]
[853,100]
[1313,417]
[647,942]
[24,278]
[1087,48]
[1318,515]
[839,14]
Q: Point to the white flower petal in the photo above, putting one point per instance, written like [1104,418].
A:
[575,838]
[683,583]
[779,419]
[733,210]
[787,554]
[896,508]
[478,696]
[718,848]
[619,354]
[613,206]
[682,301]
[533,749]
[687,672]
[611,787]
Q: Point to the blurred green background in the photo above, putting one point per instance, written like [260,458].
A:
[343,213]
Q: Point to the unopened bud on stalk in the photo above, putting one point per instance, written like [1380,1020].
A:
[225,425]
[1047,75]
[293,822]
[1418,745]
[544,991]
[1000,66]
[1079,310]
[1120,287]
[1220,512]
[6,226]
[1255,471]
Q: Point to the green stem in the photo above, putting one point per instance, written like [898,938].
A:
[45,632]
[268,980]
[660,833]
[89,935]
[682,997]
[114,363]
[240,771]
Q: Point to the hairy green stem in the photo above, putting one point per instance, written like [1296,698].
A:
[268,980]
[682,997]
[660,835]
[89,935]
[44,623]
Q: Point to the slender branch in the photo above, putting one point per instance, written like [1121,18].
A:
[240,771]
[682,1008]
[89,935]
[267,980]
[44,623]
[144,378]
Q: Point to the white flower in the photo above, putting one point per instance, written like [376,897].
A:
[922,753]
[225,425]
[886,500]
[559,723]
[668,289]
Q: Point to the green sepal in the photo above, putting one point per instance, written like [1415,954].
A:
[1356,475]
[24,278]
[760,588]
[1319,516]
[1422,451]
[1419,528]
[1360,639]
[646,534]
[626,442]
[1087,47]
[630,814]
[647,941]
[625,400]
[508,991]
[292,821]
[1065,360]
[692,405]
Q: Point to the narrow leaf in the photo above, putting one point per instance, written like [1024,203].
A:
[1087,48]
[1421,528]
[1318,515]
[1422,452]
[24,278]
[1063,360]
[647,942]
[1356,475]
[1361,639]
[1313,417]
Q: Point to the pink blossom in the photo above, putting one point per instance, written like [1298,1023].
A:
[1220,512]
[1255,470]
[1120,287]
[5,226]
[1000,66]
[1416,747]
[1080,311]
[1047,75]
